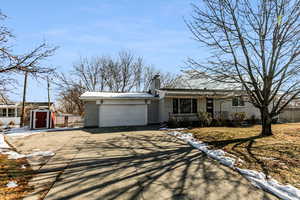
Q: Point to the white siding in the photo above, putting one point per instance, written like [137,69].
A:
[91,114]
[6,120]
[226,105]
[165,109]
[153,112]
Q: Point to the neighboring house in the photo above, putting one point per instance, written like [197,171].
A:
[106,109]
[11,112]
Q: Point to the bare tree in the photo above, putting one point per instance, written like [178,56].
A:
[125,73]
[29,62]
[69,92]
[255,44]
[168,80]
[91,72]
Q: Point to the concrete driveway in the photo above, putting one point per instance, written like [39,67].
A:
[122,164]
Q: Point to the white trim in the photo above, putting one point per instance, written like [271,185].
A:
[146,114]
[114,95]
[34,118]
[99,120]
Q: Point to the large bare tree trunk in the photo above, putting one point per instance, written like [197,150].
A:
[266,122]
[254,45]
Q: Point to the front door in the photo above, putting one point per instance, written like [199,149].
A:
[210,106]
[41,119]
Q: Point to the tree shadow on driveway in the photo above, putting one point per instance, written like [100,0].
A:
[144,166]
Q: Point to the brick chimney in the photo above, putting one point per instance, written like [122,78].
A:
[155,84]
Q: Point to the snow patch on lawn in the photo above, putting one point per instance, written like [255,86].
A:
[15,155]
[172,129]
[3,144]
[11,184]
[25,131]
[259,179]
[6,149]
[215,154]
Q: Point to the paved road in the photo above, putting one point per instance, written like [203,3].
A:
[115,164]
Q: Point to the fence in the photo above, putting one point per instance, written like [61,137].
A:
[290,115]
[68,121]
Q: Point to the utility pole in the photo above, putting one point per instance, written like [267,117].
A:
[22,122]
[48,87]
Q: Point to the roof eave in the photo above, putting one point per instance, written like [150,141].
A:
[114,98]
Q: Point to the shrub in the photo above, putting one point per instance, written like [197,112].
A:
[173,122]
[185,122]
[11,124]
[220,120]
[238,118]
[205,118]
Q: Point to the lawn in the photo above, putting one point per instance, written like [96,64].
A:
[277,156]
[11,170]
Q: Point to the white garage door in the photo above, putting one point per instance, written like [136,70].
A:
[122,115]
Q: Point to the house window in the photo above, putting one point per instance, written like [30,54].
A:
[11,112]
[184,106]
[238,101]
[2,112]
[175,106]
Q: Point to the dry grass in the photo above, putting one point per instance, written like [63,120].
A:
[277,156]
[11,170]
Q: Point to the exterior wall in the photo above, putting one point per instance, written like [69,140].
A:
[225,105]
[131,110]
[165,109]
[153,112]
[5,120]
[91,114]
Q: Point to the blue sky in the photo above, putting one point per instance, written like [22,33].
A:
[152,29]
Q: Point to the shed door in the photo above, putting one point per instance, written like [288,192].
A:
[41,119]
[122,115]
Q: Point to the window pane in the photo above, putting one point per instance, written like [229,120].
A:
[235,101]
[242,102]
[238,101]
[185,105]
[194,105]
[2,112]
[11,112]
[175,106]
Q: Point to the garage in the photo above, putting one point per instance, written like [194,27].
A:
[122,115]
[106,109]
